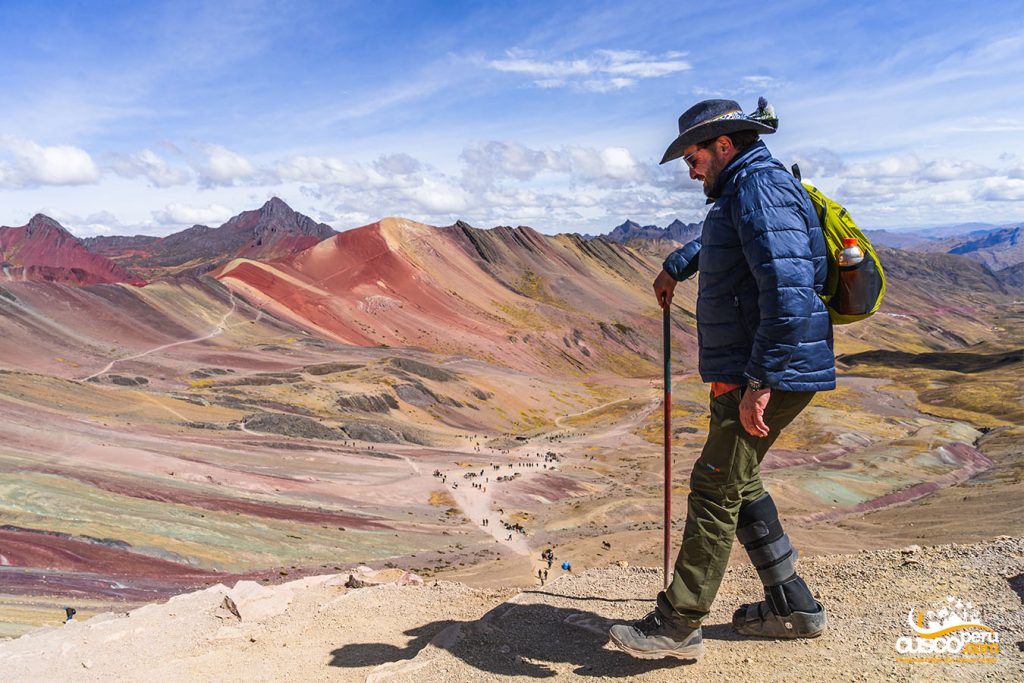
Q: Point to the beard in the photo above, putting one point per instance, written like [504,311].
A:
[714,168]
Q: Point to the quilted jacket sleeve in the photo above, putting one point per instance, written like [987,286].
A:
[773,230]
[682,263]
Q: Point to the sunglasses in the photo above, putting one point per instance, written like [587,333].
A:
[689,157]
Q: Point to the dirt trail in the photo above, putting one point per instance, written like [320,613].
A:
[475,496]
[216,330]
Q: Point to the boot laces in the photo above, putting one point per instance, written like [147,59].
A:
[650,623]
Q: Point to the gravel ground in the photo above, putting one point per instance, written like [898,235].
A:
[316,629]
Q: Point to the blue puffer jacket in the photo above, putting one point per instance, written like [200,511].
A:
[762,264]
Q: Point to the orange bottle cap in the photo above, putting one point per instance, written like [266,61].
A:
[849,241]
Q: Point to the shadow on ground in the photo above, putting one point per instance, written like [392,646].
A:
[373,654]
[523,640]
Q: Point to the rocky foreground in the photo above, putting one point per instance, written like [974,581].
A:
[376,627]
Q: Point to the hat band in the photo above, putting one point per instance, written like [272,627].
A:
[734,114]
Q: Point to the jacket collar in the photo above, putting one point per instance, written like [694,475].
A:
[756,152]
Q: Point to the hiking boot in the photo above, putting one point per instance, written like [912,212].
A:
[758,619]
[654,637]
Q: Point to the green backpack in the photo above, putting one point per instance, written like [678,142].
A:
[855,292]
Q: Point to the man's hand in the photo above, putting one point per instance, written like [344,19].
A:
[752,407]
[664,286]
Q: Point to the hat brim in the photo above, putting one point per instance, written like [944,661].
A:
[710,131]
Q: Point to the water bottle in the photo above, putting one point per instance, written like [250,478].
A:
[853,295]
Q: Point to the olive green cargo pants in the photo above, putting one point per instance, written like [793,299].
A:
[726,475]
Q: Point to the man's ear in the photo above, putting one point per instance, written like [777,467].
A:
[723,143]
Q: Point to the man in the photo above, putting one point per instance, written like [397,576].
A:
[765,345]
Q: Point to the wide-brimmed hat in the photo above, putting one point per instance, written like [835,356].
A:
[708,119]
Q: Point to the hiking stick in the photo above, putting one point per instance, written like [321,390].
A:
[666,341]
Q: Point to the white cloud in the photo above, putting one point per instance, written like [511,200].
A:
[389,170]
[400,164]
[29,164]
[606,84]
[223,167]
[911,167]
[902,166]
[486,162]
[942,170]
[344,219]
[185,215]
[325,170]
[99,223]
[549,83]
[509,159]
[151,166]
[818,163]
[868,188]
[762,85]
[602,71]
[1001,190]
[618,163]
[438,197]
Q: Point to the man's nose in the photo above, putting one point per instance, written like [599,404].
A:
[693,173]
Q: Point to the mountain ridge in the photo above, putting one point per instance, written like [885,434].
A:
[43,249]
[272,231]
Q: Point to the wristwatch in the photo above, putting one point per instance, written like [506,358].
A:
[756,384]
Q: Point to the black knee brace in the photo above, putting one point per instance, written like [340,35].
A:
[774,557]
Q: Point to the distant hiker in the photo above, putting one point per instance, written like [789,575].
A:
[566,566]
[765,345]
[69,614]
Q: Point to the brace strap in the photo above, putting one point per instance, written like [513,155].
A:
[765,555]
[778,572]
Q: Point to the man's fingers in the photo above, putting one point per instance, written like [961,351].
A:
[760,427]
[751,426]
[752,414]
[663,287]
[747,427]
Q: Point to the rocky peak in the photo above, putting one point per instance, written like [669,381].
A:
[275,207]
[42,224]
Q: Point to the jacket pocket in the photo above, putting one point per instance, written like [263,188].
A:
[741,318]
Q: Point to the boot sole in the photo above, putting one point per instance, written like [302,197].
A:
[808,636]
[692,652]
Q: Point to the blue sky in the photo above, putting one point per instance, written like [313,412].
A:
[144,117]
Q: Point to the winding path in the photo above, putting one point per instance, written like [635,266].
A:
[217,330]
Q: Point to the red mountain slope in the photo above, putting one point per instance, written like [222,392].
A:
[44,250]
[511,296]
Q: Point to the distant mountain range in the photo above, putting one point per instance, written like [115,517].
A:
[44,250]
[273,231]
[1000,248]
[676,231]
